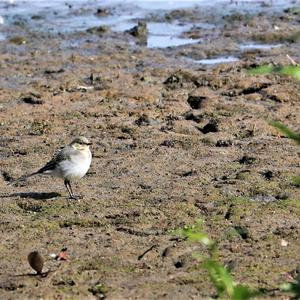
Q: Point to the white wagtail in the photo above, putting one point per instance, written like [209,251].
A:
[71,162]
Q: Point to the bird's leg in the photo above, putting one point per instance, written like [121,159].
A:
[69,188]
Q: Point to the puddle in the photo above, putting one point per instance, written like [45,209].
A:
[216,60]
[163,35]
[164,5]
[157,41]
[79,15]
[254,46]
[247,5]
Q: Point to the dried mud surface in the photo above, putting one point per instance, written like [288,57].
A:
[173,142]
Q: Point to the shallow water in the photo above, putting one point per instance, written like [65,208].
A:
[216,60]
[255,46]
[79,15]
[161,41]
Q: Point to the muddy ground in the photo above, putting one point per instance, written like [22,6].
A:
[173,142]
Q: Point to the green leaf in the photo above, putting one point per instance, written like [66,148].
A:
[286,287]
[286,131]
[265,69]
[293,71]
[195,233]
[292,287]
[243,292]
[220,277]
[296,181]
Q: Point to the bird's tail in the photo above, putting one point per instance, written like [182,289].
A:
[22,178]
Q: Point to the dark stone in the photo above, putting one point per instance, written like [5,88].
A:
[100,30]
[255,88]
[282,196]
[173,79]
[242,231]
[140,30]
[32,100]
[223,143]
[189,173]
[37,17]
[268,174]
[54,71]
[191,116]
[211,126]
[101,12]
[247,160]
[178,264]
[143,120]
[168,143]
[196,102]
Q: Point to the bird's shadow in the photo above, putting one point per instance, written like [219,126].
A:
[36,195]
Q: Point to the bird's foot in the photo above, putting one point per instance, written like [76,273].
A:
[75,197]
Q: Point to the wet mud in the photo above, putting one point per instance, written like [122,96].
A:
[175,139]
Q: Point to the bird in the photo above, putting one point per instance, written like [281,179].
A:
[70,163]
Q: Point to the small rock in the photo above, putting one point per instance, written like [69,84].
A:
[143,120]
[247,160]
[173,81]
[178,264]
[30,99]
[282,196]
[36,261]
[196,102]
[193,117]
[223,143]
[185,127]
[189,173]
[168,143]
[263,198]
[100,30]
[268,174]
[234,248]
[140,30]
[242,231]
[102,12]
[53,255]
[211,126]
[37,17]
[54,71]
[254,97]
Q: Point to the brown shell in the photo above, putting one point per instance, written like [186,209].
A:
[36,261]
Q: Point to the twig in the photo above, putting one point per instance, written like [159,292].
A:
[145,252]
[138,232]
[292,61]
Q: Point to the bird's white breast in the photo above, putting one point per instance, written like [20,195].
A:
[76,166]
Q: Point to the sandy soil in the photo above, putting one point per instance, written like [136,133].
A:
[173,141]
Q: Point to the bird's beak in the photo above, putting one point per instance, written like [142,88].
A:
[89,143]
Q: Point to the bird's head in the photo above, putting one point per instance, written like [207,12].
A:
[81,143]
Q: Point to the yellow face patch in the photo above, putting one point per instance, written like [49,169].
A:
[80,147]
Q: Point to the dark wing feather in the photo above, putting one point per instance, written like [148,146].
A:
[51,165]
[58,157]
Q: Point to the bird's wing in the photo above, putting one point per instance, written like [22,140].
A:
[61,155]
[57,158]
